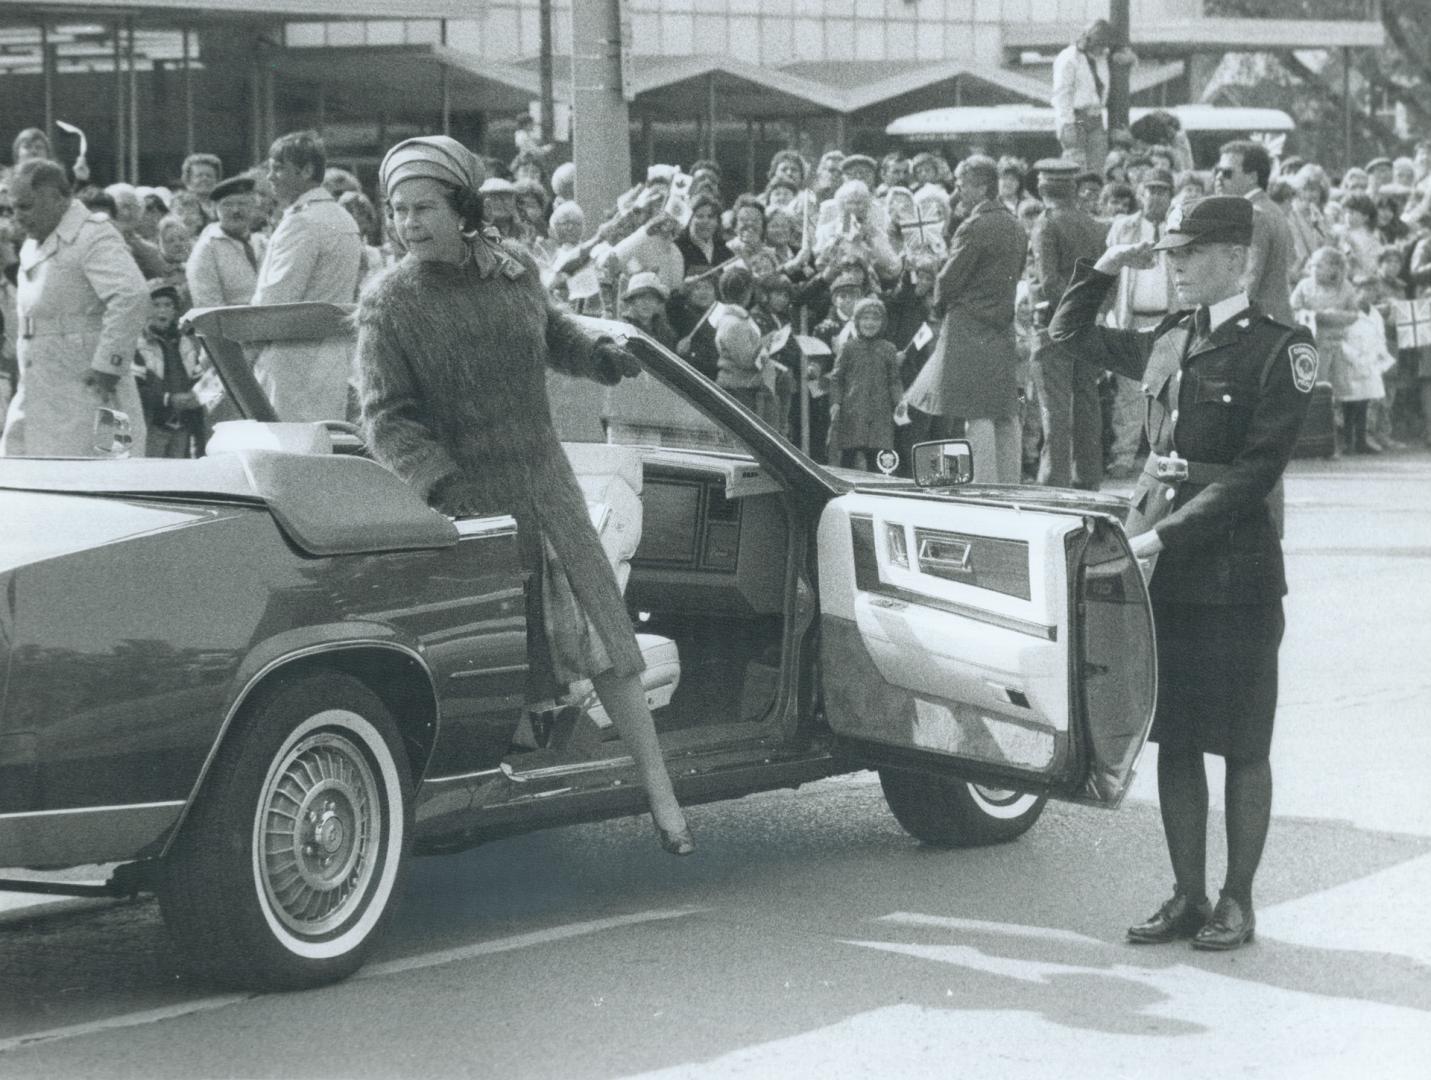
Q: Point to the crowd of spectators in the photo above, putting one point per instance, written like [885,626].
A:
[839,281]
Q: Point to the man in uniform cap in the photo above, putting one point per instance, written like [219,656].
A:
[1226,387]
[223,267]
[80,304]
[1072,453]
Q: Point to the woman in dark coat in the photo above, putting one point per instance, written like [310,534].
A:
[453,346]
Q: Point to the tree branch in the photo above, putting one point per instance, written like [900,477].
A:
[1369,123]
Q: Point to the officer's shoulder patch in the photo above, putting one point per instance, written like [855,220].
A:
[1304,365]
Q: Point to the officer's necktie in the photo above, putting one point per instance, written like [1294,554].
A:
[1202,325]
[248,250]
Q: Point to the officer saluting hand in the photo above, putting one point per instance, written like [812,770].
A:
[1225,388]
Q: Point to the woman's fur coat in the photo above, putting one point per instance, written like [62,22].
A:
[452,378]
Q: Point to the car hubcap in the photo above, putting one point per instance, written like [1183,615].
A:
[1001,802]
[317,829]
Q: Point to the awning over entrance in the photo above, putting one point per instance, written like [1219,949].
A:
[380,78]
[681,88]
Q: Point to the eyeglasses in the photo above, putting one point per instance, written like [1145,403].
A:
[7,211]
[1222,172]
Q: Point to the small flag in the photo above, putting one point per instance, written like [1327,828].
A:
[922,337]
[777,340]
[1413,323]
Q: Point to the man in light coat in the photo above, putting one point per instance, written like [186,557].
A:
[81,303]
[315,254]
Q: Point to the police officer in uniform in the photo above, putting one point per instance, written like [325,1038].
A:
[81,304]
[1225,389]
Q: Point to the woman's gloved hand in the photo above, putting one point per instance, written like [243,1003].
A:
[457,496]
[614,363]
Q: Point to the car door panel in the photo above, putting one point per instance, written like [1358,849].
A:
[955,637]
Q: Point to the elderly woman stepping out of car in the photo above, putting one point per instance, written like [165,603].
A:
[453,346]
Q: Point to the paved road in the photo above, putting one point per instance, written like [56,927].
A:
[810,938]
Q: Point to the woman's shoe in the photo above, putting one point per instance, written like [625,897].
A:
[677,843]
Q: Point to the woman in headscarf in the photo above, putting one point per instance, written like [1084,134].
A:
[453,347]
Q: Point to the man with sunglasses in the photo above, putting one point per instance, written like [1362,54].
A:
[1244,169]
[1225,387]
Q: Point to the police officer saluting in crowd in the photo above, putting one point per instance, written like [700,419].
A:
[1225,387]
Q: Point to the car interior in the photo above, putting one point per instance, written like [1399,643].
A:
[697,532]
[698,536]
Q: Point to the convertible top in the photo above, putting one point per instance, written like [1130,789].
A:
[326,505]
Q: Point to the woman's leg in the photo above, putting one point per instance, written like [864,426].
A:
[1182,798]
[625,702]
[1249,811]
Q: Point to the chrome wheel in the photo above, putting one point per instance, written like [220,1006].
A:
[315,830]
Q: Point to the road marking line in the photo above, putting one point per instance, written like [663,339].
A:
[391,967]
[521,941]
[978,926]
[149,1016]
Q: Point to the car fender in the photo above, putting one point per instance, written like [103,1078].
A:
[284,650]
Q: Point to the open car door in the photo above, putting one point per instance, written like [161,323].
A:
[998,644]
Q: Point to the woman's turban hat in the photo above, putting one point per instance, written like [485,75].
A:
[436,157]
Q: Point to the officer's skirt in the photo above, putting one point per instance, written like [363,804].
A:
[1217,677]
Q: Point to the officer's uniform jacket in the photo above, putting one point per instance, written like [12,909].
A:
[1230,407]
[315,254]
[81,303]
[218,272]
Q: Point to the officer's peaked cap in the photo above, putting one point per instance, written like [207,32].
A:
[1217,219]
[234,185]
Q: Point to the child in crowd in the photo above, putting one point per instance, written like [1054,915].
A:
[643,305]
[864,390]
[745,372]
[1364,358]
[1381,293]
[1328,296]
[1359,239]
[166,366]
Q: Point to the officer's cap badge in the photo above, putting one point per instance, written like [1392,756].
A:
[1304,366]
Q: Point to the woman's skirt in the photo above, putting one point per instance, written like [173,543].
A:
[571,636]
[1217,677]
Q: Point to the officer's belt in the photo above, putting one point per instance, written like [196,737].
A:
[37,328]
[1170,469]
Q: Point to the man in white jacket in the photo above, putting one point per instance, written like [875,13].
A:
[316,254]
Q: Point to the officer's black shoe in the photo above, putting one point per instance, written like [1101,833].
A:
[1181,917]
[1230,927]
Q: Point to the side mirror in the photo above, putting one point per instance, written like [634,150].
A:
[948,463]
[113,433]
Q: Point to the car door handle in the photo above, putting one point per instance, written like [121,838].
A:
[945,556]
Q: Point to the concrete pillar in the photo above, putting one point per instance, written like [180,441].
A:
[47,77]
[121,115]
[601,125]
[133,102]
[188,96]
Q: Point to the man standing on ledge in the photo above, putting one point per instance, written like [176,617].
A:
[1080,94]
[1226,388]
